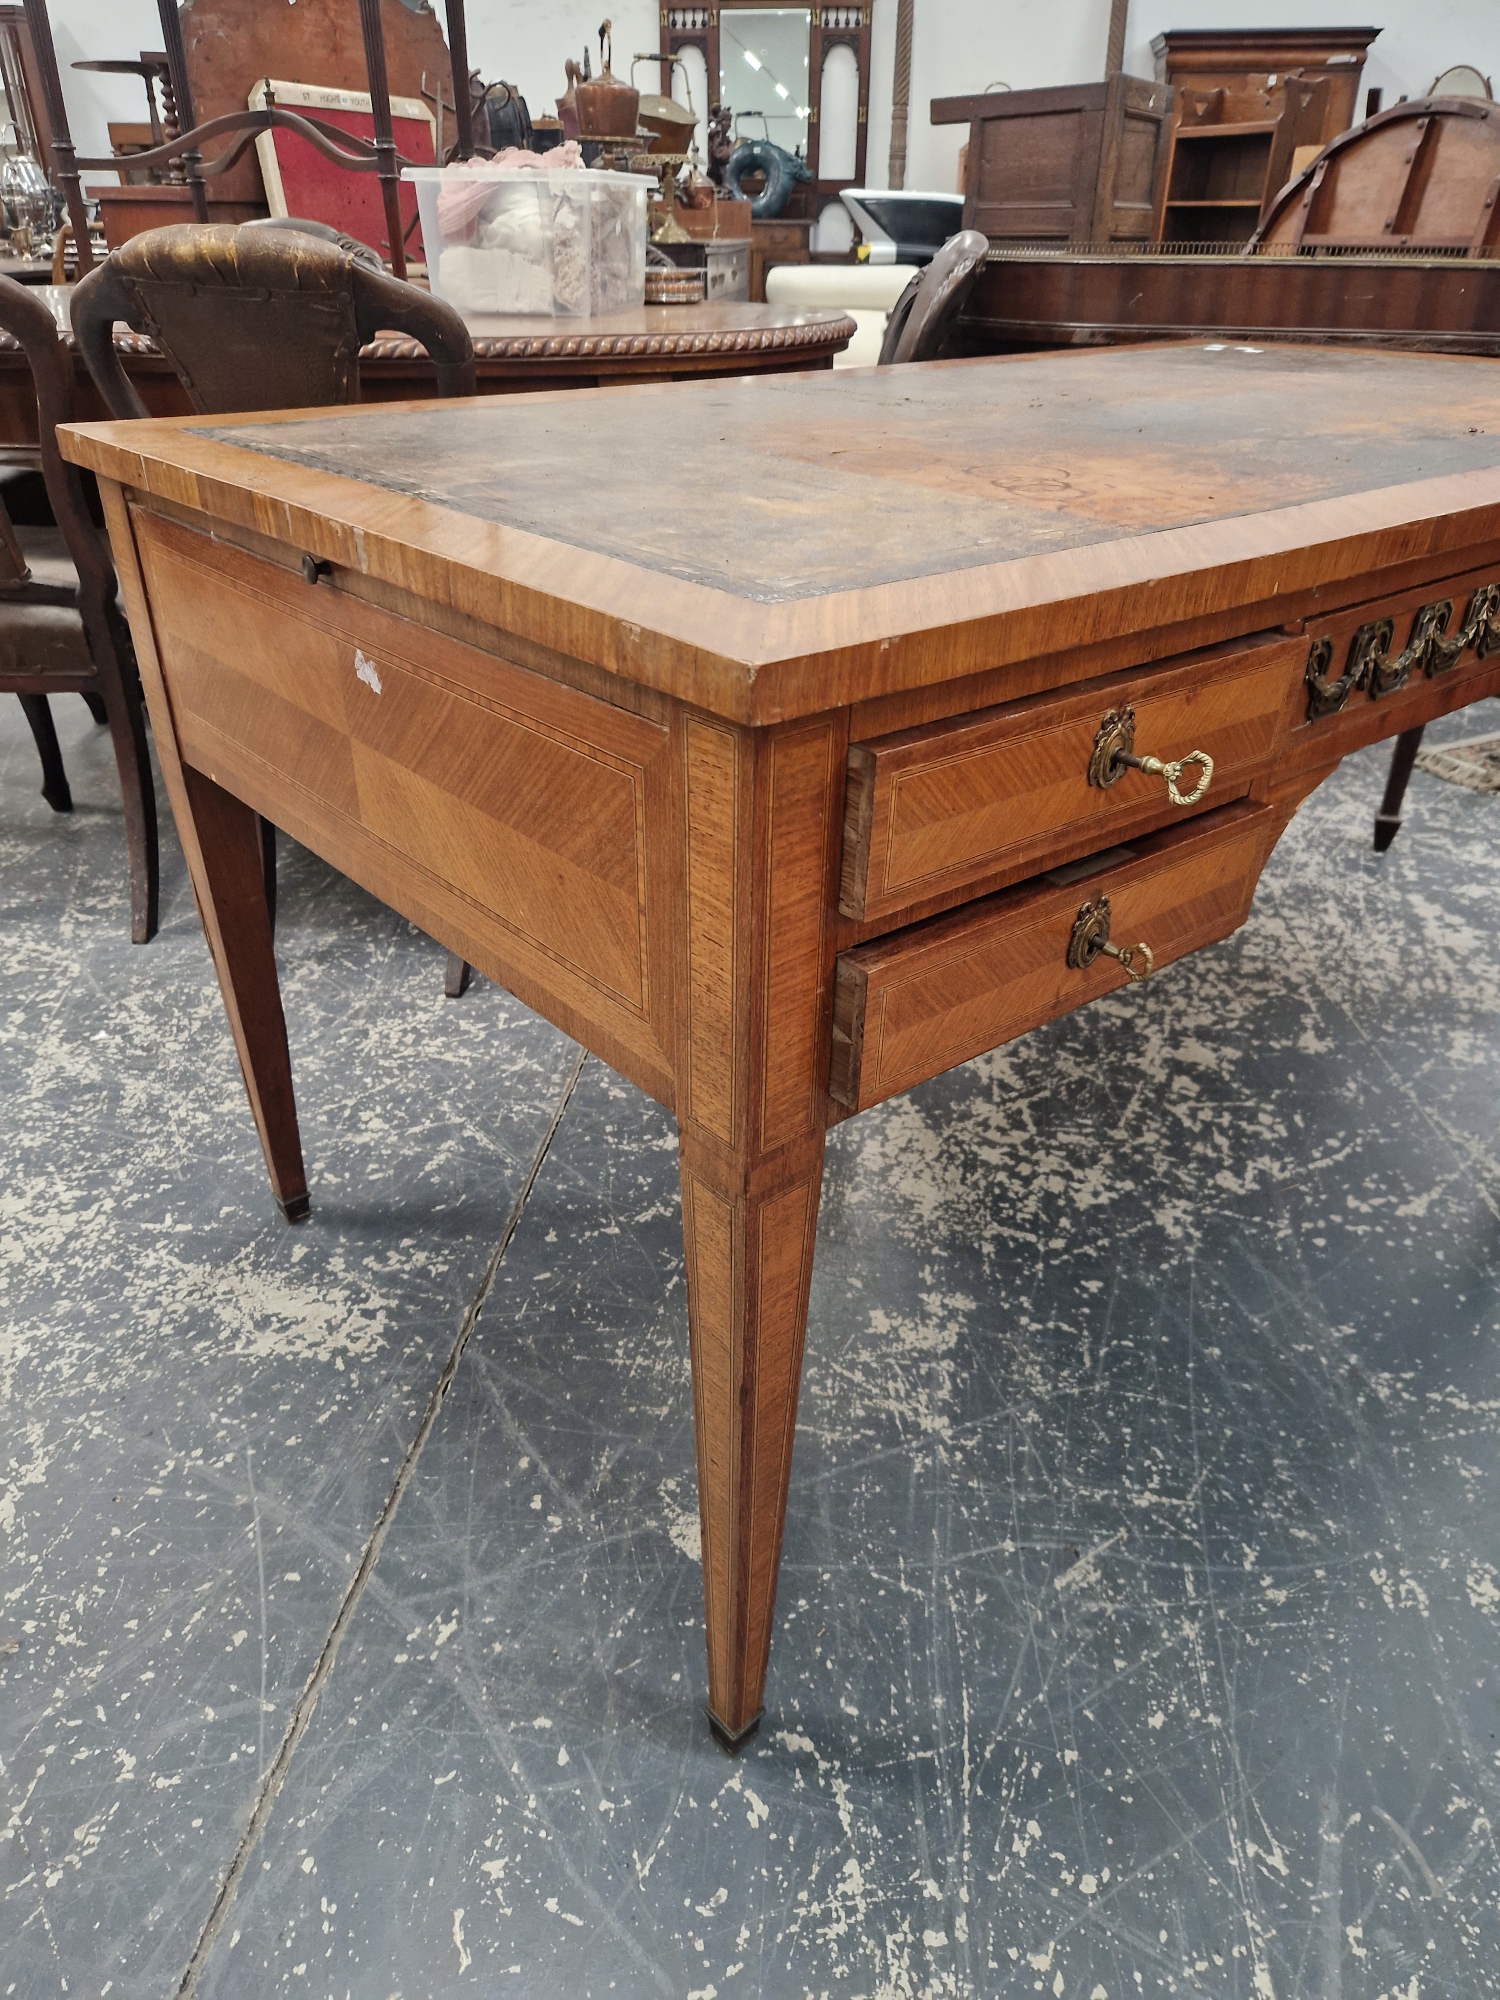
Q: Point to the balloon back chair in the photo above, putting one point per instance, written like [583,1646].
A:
[260,316]
[923,316]
[61,629]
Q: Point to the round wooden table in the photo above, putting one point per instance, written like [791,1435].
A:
[677,342]
[648,343]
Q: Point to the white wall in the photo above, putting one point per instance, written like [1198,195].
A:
[95,28]
[957,46]
[961,45]
[527,42]
[961,48]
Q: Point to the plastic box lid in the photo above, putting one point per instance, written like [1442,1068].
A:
[588,176]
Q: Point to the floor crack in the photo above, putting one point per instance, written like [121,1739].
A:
[260,1565]
[274,1778]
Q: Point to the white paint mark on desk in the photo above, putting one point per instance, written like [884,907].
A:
[364,670]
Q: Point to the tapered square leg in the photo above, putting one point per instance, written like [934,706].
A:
[749,1262]
[224,845]
[1403,762]
[761,815]
[226,858]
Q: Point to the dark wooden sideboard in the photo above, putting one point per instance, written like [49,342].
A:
[1101,298]
[1083,163]
[1390,236]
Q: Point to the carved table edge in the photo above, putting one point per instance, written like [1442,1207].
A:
[831,333]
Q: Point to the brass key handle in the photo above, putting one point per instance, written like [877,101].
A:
[1114,752]
[1090,940]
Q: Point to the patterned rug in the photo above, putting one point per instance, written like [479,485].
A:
[1475,763]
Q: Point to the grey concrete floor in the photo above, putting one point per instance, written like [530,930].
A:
[1138,1616]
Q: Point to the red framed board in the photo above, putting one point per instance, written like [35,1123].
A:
[299,181]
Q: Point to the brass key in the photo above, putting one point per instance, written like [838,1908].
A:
[1090,940]
[1114,752]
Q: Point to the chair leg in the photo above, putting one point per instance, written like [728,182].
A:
[121,703]
[116,699]
[1403,757]
[456,978]
[268,868]
[54,778]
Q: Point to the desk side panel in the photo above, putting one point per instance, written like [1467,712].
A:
[510,817]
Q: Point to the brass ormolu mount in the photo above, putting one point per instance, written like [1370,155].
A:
[1371,667]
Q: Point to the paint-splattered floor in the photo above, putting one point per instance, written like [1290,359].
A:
[1141,1598]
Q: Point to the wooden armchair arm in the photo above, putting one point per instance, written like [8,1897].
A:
[98,301]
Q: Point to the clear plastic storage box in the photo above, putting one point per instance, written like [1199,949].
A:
[561,240]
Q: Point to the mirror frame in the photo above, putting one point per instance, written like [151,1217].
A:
[829,26]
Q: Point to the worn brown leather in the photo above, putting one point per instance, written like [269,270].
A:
[923,316]
[255,318]
[304,225]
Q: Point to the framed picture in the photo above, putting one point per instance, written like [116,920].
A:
[299,181]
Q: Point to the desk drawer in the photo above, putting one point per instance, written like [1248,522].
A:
[954,804]
[908,1006]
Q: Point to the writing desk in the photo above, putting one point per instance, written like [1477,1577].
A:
[783,820]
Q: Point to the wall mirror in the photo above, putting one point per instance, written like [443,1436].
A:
[806,70]
[763,72]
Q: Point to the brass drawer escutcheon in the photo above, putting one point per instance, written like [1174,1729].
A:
[1371,667]
[1090,940]
[1114,753]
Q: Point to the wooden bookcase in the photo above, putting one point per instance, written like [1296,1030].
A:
[1244,116]
[1224,169]
[1248,63]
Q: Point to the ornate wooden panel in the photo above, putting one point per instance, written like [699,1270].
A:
[1376,668]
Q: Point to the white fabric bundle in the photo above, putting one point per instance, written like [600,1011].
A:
[466,194]
[516,218]
[482,280]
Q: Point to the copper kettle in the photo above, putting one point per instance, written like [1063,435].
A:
[607,108]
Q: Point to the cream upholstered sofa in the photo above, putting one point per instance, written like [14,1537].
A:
[865,291]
